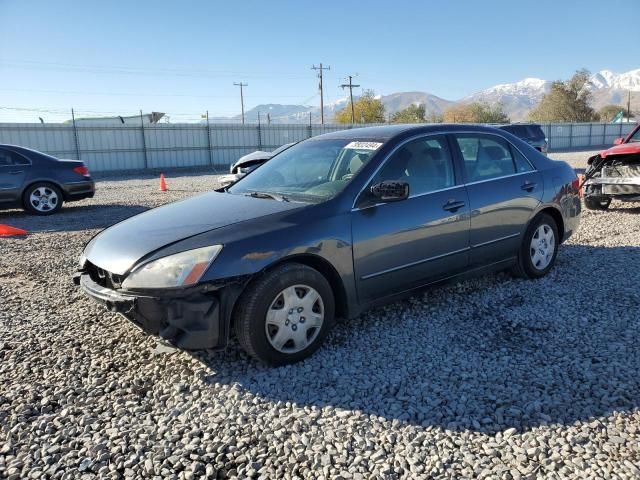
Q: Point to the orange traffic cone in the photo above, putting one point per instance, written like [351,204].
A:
[8,231]
[163,183]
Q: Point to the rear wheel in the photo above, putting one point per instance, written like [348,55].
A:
[597,203]
[284,316]
[539,248]
[42,199]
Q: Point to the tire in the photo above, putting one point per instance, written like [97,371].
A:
[272,325]
[51,204]
[597,203]
[536,263]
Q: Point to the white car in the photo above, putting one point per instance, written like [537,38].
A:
[250,162]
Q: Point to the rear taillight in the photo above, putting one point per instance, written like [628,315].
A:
[82,170]
[576,185]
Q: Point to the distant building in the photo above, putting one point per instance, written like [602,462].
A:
[147,119]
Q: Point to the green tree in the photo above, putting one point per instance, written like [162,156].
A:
[476,112]
[367,109]
[567,101]
[412,114]
[608,112]
[434,117]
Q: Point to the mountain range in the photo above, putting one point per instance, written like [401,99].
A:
[517,99]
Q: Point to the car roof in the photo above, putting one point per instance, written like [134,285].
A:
[386,132]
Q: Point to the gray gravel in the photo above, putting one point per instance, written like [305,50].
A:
[490,378]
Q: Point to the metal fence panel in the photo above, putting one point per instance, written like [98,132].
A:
[54,139]
[180,145]
[125,147]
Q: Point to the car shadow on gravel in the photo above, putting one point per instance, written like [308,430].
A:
[486,355]
[72,217]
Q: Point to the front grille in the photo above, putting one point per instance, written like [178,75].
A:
[621,189]
[621,171]
[102,277]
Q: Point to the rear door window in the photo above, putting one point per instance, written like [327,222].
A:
[10,159]
[485,156]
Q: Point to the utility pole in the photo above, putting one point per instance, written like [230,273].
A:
[240,84]
[351,87]
[321,68]
[629,107]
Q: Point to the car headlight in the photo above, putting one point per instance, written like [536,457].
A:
[179,270]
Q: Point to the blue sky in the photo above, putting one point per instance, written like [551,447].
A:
[183,57]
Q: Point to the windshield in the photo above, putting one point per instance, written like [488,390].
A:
[311,171]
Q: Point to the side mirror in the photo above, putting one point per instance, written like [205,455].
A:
[618,141]
[390,191]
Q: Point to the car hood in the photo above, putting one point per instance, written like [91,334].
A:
[118,248]
[622,149]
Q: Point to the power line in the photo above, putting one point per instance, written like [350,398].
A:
[180,71]
[240,84]
[146,94]
[351,87]
[321,68]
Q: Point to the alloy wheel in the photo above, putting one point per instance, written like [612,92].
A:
[44,199]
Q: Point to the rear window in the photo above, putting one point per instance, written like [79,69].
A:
[535,131]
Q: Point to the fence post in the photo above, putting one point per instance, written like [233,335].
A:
[604,133]
[75,133]
[570,135]
[590,130]
[209,144]
[310,131]
[259,133]
[620,130]
[144,142]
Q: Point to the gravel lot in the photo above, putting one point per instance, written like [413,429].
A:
[490,378]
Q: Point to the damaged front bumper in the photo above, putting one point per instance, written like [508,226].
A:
[616,181]
[192,318]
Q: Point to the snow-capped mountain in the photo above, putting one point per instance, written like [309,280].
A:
[520,97]
[623,81]
[517,99]
[530,87]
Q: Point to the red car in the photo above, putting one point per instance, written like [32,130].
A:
[614,173]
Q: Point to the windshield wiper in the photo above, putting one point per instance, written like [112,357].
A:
[273,196]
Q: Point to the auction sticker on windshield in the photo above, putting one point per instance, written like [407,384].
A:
[363,145]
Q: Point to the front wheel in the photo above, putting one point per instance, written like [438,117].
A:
[42,199]
[284,316]
[539,248]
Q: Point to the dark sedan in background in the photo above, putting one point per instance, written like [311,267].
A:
[40,183]
[529,132]
[329,227]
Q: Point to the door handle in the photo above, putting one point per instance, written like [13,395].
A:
[528,186]
[16,172]
[453,205]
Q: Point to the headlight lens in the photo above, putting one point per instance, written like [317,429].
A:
[179,270]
